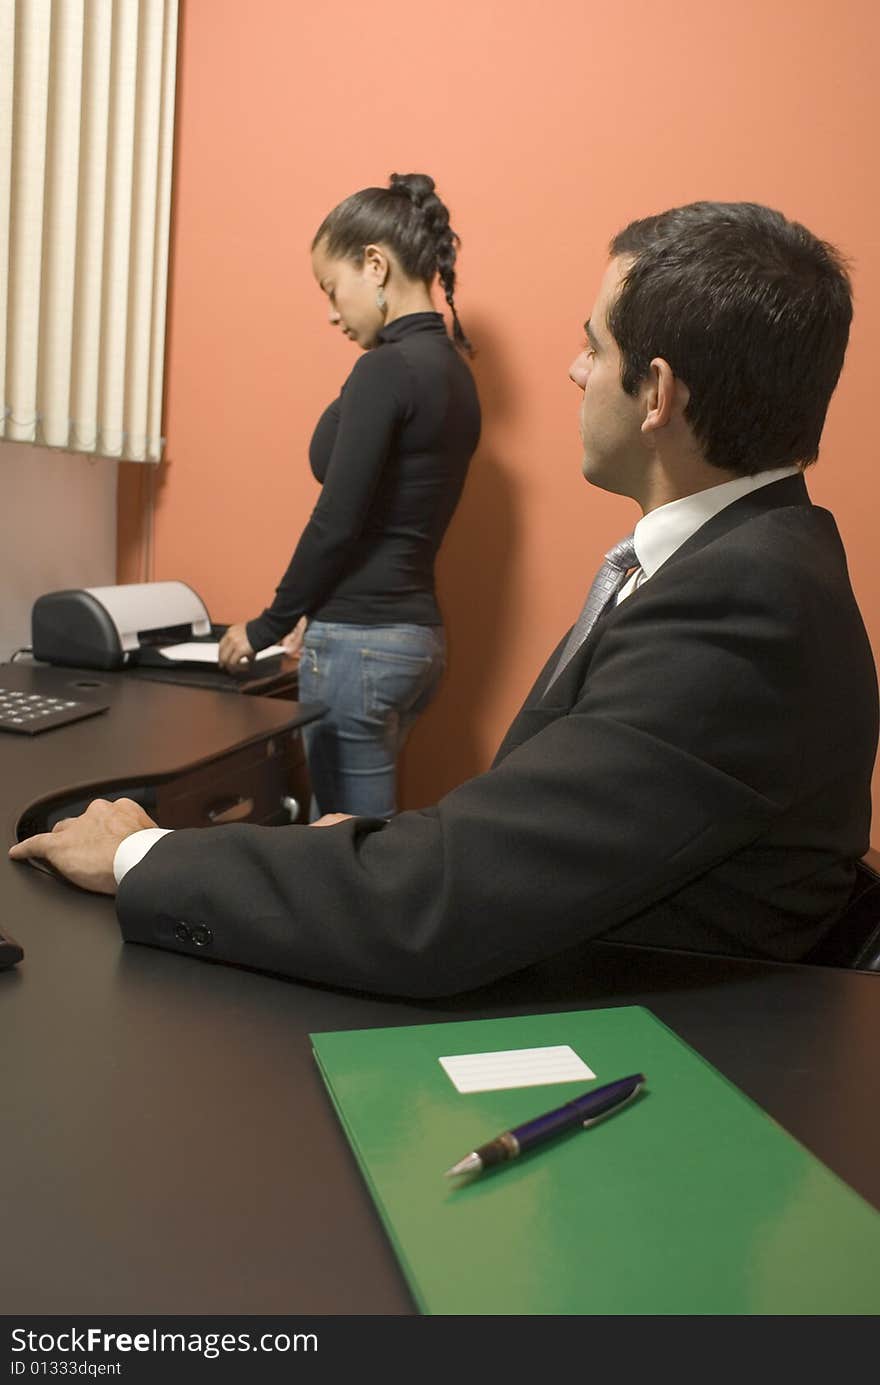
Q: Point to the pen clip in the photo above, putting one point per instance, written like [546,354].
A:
[594,1120]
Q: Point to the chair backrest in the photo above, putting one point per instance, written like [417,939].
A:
[854,940]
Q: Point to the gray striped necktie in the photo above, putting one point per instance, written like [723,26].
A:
[606,584]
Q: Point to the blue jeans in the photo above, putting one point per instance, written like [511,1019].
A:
[375,680]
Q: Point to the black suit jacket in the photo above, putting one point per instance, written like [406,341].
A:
[698,776]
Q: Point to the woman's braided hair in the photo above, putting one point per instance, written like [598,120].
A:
[411,220]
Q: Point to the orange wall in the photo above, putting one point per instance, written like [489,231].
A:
[546,127]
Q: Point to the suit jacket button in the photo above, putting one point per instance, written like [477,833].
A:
[201,936]
[182,933]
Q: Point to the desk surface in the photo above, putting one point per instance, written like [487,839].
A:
[151,732]
[167,1144]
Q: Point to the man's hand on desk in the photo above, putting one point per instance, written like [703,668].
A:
[82,849]
[235,648]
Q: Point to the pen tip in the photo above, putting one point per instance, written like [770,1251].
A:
[471,1163]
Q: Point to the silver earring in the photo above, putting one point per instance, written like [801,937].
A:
[381,300]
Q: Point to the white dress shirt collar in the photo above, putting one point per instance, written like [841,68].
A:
[658,534]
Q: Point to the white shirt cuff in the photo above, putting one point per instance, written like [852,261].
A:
[134,848]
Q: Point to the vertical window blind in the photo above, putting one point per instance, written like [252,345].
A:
[86,140]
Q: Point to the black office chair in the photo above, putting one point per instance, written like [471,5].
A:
[854,940]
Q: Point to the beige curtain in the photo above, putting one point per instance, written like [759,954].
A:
[86,137]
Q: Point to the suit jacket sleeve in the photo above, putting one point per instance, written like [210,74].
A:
[680,748]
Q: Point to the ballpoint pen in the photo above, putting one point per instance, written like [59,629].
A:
[584,1110]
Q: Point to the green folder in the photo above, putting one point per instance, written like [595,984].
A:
[690,1200]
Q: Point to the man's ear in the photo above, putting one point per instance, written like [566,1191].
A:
[666,396]
[376,264]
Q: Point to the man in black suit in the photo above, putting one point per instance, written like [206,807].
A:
[692,767]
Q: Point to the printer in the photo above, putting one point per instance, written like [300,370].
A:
[111,627]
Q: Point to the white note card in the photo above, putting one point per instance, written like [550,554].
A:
[205,652]
[515,1067]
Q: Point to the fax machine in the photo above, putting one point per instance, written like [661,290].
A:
[111,627]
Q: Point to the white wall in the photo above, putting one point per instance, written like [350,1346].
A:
[57,530]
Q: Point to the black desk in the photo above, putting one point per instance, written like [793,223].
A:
[190,757]
[167,1146]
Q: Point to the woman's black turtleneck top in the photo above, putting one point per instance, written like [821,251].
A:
[391,453]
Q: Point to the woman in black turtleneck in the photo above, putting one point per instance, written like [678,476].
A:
[391,453]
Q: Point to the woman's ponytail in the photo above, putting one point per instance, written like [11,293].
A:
[419,188]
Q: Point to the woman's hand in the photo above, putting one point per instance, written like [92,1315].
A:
[292,642]
[235,648]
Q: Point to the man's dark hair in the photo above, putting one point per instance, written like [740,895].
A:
[751,311]
[411,220]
